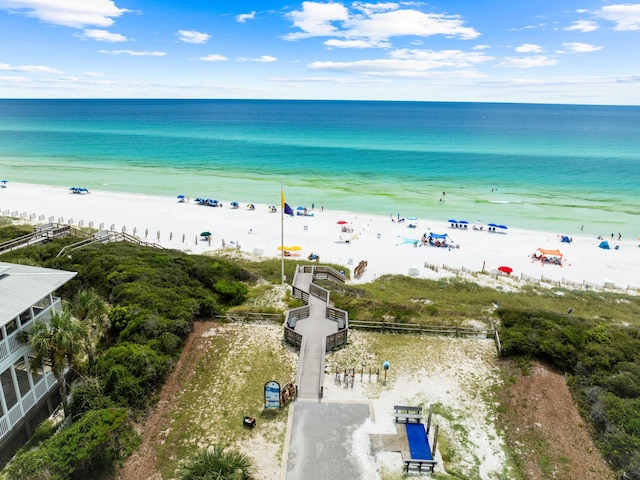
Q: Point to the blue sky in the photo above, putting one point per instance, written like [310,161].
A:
[543,51]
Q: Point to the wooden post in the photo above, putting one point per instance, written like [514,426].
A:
[435,441]
[429,418]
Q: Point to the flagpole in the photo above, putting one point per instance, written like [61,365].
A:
[282,230]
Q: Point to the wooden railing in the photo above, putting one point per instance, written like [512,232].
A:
[445,330]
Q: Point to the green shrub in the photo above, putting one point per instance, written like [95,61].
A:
[88,449]
[88,394]
[131,372]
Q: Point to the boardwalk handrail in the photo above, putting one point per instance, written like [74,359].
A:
[296,314]
[15,242]
[321,373]
[337,315]
[300,359]
[327,273]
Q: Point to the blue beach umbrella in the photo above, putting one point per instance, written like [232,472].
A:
[301,208]
[491,225]
[412,218]
[180,196]
[452,221]
[464,222]
[4,181]
[504,227]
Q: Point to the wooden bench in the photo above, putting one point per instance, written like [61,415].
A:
[406,409]
[407,417]
[415,464]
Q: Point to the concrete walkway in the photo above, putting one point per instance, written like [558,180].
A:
[321,441]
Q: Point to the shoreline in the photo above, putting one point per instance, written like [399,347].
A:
[388,246]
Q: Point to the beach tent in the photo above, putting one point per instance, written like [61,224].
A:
[604,245]
[548,256]
[436,239]
[565,239]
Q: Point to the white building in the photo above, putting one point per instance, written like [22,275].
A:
[28,393]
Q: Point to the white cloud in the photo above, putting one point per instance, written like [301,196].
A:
[14,79]
[266,59]
[371,8]
[413,63]
[191,36]
[583,26]
[102,36]
[315,19]
[29,69]
[527,62]
[529,48]
[68,13]
[482,47]
[373,22]
[262,59]
[337,80]
[93,74]
[409,22]
[361,43]
[577,47]
[134,53]
[213,58]
[243,17]
[626,17]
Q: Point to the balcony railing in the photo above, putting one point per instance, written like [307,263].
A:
[22,407]
[11,343]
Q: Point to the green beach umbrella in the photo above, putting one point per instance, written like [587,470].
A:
[206,234]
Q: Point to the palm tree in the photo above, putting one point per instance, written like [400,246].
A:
[90,309]
[56,343]
[216,464]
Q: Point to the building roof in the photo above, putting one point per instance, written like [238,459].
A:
[22,286]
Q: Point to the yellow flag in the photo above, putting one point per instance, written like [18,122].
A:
[282,198]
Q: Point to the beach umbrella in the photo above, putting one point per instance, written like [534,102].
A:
[452,221]
[295,248]
[4,181]
[491,225]
[251,206]
[506,269]
[283,247]
[205,234]
[342,222]
[301,208]
[464,222]
[504,227]
[180,196]
[412,218]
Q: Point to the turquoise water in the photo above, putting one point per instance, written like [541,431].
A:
[549,167]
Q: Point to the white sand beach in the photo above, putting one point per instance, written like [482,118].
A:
[389,246]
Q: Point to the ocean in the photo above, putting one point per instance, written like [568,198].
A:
[558,168]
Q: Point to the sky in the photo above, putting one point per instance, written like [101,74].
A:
[533,51]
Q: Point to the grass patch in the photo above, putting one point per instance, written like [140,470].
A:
[228,384]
